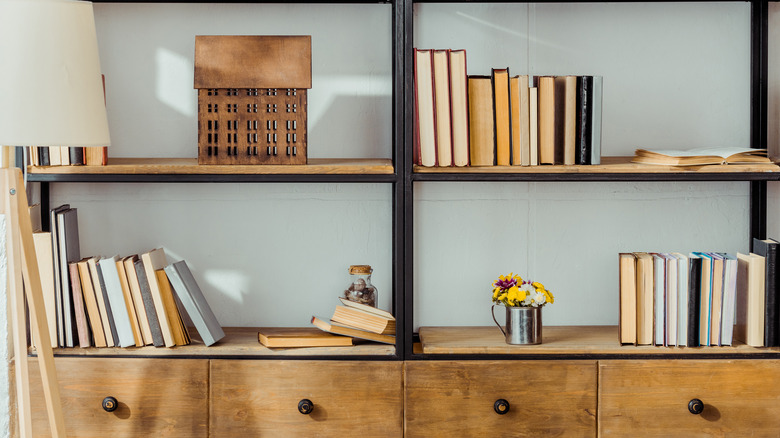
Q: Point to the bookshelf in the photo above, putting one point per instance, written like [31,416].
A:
[415,199]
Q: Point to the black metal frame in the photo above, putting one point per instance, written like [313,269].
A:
[404,177]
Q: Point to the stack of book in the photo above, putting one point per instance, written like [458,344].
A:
[68,156]
[360,321]
[502,120]
[699,299]
[129,301]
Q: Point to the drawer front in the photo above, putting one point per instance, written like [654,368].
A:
[156,397]
[651,398]
[546,398]
[260,398]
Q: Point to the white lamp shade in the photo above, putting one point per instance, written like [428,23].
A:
[51,89]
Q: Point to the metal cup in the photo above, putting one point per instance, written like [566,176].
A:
[523,325]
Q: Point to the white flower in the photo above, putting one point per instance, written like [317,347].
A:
[528,301]
[538,298]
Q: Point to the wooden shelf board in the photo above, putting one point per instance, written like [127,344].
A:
[190,166]
[557,340]
[609,165]
[238,341]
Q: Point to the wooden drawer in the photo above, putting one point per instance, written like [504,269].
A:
[449,399]
[157,397]
[650,398]
[260,398]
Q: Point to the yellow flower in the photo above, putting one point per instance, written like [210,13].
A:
[538,286]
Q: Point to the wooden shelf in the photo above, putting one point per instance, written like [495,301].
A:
[612,168]
[238,342]
[190,166]
[590,341]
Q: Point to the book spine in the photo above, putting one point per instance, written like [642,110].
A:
[76,156]
[694,297]
[151,313]
[771,315]
[584,119]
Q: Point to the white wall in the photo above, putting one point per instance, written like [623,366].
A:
[675,75]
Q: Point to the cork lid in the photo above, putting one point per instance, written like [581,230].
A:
[360,269]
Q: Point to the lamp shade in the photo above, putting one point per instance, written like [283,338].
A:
[51,89]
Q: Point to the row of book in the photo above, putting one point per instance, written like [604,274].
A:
[68,156]
[129,301]
[503,120]
[699,299]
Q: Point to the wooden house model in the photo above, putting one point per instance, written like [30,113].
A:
[252,98]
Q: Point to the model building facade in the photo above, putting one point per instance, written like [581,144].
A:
[252,98]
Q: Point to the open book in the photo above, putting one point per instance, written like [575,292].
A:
[702,156]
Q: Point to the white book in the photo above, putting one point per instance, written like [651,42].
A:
[659,303]
[152,261]
[682,298]
[191,297]
[116,299]
[729,300]
[68,242]
[598,91]
[671,300]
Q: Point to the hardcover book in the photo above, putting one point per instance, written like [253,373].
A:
[331,327]
[116,298]
[644,298]
[68,242]
[91,304]
[767,248]
[151,312]
[195,304]
[481,129]
[502,117]
[628,296]
[694,298]
[441,88]
[424,103]
[749,326]
[288,337]
[460,107]
[152,261]
[584,133]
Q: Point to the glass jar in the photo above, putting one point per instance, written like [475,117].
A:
[360,289]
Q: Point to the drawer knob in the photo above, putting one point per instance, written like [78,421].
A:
[501,406]
[695,406]
[110,404]
[305,406]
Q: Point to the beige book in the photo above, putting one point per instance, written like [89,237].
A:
[90,303]
[129,302]
[644,298]
[546,120]
[43,254]
[101,301]
[425,135]
[460,108]
[481,130]
[138,301]
[521,152]
[749,327]
[503,121]
[441,88]
[155,260]
[570,120]
[627,271]
[533,125]
[180,335]
[716,306]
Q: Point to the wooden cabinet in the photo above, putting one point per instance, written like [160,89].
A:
[261,398]
[500,398]
[652,397]
[155,397]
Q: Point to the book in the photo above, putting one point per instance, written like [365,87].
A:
[645,298]
[151,312]
[694,298]
[287,337]
[424,113]
[82,324]
[502,118]
[521,141]
[152,261]
[55,245]
[331,327]
[546,117]
[68,241]
[104,304]
[767,248]
[138,301]
[441,99]
[671,300]
[460,107]
[628,305]
[749,327]
[43,254]
[682,298]
[195,304]
[360,319]
[533,125]
[595,146]
[76,156]
[569,120]
[178,330]
[716,297]
[705,306]
[659,301]
[91,304]
[116,299]
[481,129]
[124,281]
[729,299]
[584,134]
[702,156]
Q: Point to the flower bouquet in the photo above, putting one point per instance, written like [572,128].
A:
[512,291]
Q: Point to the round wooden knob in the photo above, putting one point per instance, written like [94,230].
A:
[305,406]
[110,404]
[501,406]
[695,406]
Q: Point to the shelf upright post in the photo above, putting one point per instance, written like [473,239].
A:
[759,13]
[408,142]
[399,165]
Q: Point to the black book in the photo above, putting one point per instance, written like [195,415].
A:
[76,156]
[43,156]
[584,134]
[768,249]
[694,299]
[151,314]
[109,313]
